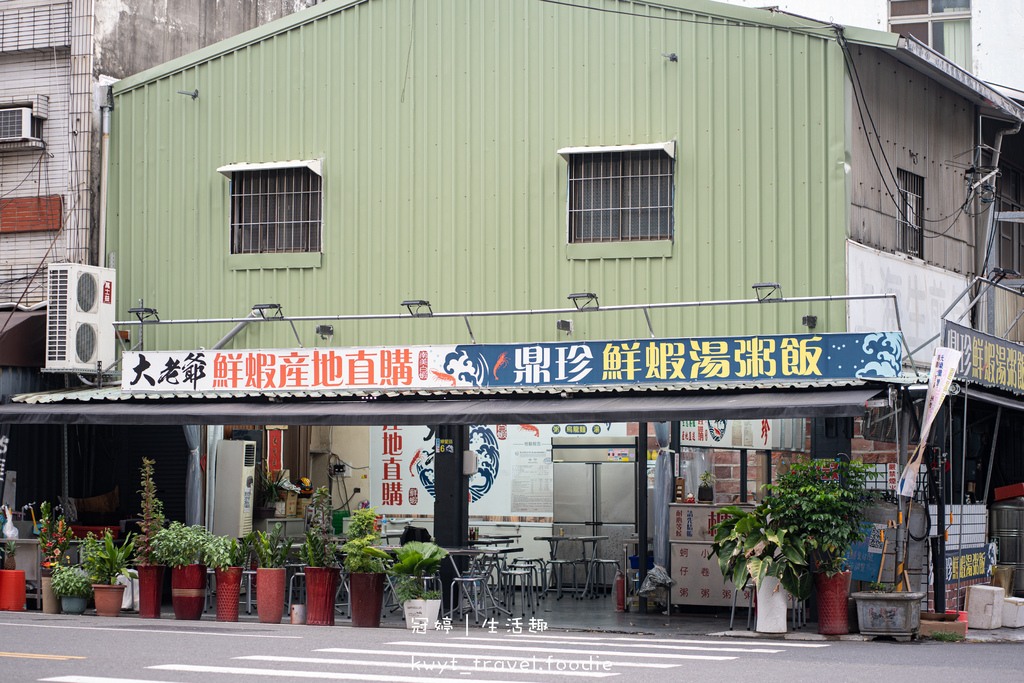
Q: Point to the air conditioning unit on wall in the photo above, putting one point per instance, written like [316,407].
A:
[80,317]
[16,124]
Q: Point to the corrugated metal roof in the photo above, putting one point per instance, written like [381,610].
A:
[116,394]
[451,410]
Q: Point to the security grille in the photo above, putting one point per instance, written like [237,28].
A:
[11,123]
[620,197]
[275,211]
[910,219]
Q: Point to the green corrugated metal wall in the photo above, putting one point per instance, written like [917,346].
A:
[439,121]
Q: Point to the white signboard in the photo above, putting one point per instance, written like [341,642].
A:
[513,476]
[924,292]
[765,434]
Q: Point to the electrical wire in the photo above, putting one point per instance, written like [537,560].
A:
[862,108]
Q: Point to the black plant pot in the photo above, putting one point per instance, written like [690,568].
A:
[705,494]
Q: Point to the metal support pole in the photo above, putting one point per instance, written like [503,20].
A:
[451,496]
[939,540]
[991,453]
[641,508]
[743,475]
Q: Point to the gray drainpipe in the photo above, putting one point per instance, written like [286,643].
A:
[238,328]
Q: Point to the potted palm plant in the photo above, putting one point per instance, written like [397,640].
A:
[271,554]
[104,561]
[227,557]
[72,585]
[183,549]
[151,572]
[825,503]
[415,561]
[320,555]
[366,568]
[12,579]
[752,546]
[271,489]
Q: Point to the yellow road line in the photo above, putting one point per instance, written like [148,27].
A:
[29,655]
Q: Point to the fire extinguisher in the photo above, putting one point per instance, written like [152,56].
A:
[620,591]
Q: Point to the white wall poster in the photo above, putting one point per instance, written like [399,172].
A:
[513,476]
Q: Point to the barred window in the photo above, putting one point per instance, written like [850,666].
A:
[620,196]
[276,210]
[910,216]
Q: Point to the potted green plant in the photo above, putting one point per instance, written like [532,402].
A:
[72,585]
[54,536]
[415,561]
[366,568]
[151,572]
[13,579]
[183,549]
[319,553]
[825,503]
[706,490]
[270,493]
[104,561]
[271,553]
[752,546]
[227,557]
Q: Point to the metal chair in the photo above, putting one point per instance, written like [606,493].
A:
[556,568]
[471,589]
[297,582]
[521,577]
[601,566]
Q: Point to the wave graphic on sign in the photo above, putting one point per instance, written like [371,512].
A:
[483,442]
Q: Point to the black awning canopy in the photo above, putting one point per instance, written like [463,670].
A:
[452,411]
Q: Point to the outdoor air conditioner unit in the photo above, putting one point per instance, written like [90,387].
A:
[234,486]
[17,124]
[80,318]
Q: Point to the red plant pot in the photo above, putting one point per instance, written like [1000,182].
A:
[833,603]
[151,589]
[321,589]
[270,594]
[12,590]
[228,582]
[366,594]
[188,591]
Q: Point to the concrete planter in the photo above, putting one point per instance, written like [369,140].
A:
[889,614]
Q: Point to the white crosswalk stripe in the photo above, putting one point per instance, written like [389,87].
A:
[496,658]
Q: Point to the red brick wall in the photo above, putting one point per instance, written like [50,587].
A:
[29,214]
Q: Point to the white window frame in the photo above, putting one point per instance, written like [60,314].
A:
[276,257]
[574,154]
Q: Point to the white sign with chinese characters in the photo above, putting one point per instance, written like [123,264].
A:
[766,434]
[698,578]
[513,467]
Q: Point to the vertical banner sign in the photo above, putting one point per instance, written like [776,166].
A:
[944,366]
[274,460]
[5,431]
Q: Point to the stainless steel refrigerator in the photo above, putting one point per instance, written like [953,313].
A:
[594,496]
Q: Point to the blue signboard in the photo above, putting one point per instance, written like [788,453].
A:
[667,361]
